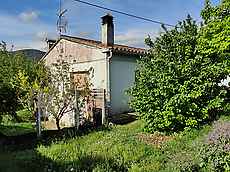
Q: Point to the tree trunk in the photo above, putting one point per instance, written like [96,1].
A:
[58,124]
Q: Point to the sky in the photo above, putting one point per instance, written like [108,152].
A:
[27,23]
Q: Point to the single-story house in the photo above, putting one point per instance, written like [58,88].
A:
[110,66]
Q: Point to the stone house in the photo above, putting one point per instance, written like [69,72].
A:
[108,65]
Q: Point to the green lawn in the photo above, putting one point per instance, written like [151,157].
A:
[118,149]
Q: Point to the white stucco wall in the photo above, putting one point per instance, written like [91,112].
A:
[73,53]
[81,58]
[122,77]
[97,75]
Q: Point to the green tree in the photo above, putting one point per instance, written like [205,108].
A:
[160,92]
[9,65]
[214,47]
[177,83]
[18,75]
[30,86]
[214,36]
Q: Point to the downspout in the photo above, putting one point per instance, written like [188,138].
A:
[109,55]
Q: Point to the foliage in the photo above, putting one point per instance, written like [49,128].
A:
[65,94]
[24,115]
[160,92]
[14,129]
[18,77]
[117,149]
[60,94]
[215,154]
[10,64]
[177,83]
[28,89]
[214,40]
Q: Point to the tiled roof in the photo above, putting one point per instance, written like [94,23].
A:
[123,49]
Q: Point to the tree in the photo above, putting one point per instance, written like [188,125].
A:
[158,94]
[28,85]
[10,64]
[60,92]
[66,93]
[177,83]
[214,46]
[19,78]
[29,91]
[214,39]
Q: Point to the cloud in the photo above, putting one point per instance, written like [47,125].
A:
[25,34]
[29,16]
[135,37]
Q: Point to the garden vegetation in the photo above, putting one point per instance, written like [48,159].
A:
[177,90]
[178,83]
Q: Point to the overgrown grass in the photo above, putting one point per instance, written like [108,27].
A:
[24,115]
[122,147]
[117,149]
[14,129]
[9,127]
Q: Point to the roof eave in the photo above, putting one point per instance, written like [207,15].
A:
[127,53]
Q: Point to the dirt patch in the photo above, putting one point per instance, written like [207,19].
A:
[156,139]
[50,125]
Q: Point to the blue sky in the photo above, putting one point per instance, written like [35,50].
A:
[26,23]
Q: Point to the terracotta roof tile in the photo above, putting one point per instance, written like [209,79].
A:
[115,48]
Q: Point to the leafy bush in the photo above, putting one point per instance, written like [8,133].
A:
[215,154]
[17,75]
[177,83]
[25,115]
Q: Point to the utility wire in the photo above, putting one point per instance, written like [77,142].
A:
[124,13]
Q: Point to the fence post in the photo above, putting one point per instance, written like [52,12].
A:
[39,116]
[104,117]
[37,107]
[76,110]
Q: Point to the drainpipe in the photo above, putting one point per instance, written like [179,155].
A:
[108,57]
[108,54]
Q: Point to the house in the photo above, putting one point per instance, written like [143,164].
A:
[108,65]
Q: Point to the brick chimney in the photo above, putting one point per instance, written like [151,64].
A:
[107,30]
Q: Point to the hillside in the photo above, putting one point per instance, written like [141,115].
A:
[31,53]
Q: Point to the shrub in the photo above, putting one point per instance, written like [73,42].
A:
[177,83]
[215,153]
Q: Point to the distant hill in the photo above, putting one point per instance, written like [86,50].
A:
[32,54]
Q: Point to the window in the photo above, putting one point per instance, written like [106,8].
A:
[80,79]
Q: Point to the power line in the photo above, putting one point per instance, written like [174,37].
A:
[124,13]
